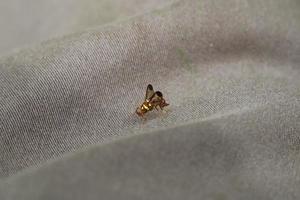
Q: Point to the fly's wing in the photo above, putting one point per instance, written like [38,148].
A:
[149,92]
[156,98]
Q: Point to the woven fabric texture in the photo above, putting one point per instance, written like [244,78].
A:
[229,69]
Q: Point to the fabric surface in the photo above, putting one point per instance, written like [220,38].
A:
[24,23]
[229,69]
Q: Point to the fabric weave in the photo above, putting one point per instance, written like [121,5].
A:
[230,71]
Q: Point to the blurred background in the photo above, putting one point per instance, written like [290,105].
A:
[28,22]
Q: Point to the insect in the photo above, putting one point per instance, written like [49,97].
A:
[152,100]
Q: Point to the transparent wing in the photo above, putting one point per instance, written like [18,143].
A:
[149,92]
[156,98]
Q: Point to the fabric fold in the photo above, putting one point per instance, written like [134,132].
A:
[209,58]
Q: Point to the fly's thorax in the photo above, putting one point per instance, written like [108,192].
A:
[143,108]
[146,106]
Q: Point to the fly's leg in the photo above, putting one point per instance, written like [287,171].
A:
[161,107]
[157,108]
